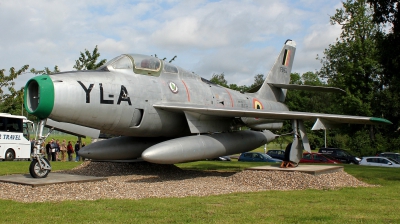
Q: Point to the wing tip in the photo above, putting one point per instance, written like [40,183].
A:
[380,120]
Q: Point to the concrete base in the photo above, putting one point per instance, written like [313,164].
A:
[52,178]
[310,169]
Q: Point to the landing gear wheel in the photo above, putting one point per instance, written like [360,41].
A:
[286,163]
[287,152]
[36,171]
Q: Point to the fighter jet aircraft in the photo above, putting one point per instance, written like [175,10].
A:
[166,114]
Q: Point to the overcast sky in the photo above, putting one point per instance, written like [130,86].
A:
[239,38]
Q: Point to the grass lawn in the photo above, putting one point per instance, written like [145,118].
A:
[13,167]
[348,205]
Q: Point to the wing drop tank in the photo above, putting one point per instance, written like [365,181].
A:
[200,147]
[119,148]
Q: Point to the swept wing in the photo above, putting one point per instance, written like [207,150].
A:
[279,115]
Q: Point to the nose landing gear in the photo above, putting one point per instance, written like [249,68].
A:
[40,167]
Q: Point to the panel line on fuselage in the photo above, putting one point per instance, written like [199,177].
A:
[230,96]
[187,90]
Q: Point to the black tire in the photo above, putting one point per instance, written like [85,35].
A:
[35,171]
[287,152]
[10,155]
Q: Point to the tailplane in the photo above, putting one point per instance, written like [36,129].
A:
[279,74]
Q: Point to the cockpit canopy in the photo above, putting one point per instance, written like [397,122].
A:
[140,64]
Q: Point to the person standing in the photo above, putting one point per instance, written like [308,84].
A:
[53,145]
[58,150]
[83,145]
[48,150]
[77,147]
[70,150]
[63,149]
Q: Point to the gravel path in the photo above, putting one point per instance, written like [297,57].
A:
[144,180]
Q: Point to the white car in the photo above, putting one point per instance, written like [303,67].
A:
[379,161]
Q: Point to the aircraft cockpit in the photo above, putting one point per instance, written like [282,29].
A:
[140,64]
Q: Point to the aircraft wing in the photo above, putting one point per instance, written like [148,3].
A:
[269,114]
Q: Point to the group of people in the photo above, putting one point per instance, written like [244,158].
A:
[57,151]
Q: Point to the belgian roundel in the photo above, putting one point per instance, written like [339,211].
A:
[257,104]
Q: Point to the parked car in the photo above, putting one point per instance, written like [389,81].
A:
[341,155]
[257,157]
[221,158]
[393,155]
[379,161]
[318,158]
[276,154]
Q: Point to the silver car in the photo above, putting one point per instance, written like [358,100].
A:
[379,161]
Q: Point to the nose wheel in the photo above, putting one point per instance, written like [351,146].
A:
[39,168]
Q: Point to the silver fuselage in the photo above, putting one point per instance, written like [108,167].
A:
[121,102]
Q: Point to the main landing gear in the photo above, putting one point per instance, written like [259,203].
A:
[286,163]
[40,167]
[294,150]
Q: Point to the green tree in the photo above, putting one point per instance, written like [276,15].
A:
[387,12]
[46,70]
[241,89]
[258,81]
[311,78]
[10,98]
[88,61]
[352,63]
[219,79]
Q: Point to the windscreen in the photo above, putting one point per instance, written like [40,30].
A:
[143,62]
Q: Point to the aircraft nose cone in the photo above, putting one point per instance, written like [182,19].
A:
[39,96]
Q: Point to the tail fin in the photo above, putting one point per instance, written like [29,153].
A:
[279,74]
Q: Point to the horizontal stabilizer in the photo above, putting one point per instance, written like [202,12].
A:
[308,88]
[72,129]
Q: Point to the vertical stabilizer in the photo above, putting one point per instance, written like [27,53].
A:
[279,74]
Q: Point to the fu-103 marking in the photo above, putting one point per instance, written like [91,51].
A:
[123,94]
